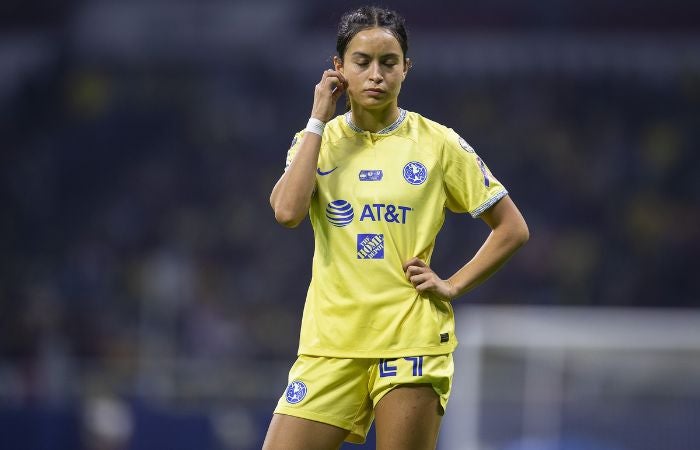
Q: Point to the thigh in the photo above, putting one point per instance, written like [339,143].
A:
[408,418]
[329,391]
[294,433]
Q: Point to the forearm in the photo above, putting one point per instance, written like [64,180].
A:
[291,195]
[509,232]
[500,245]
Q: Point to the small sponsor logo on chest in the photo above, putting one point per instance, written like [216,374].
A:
[371,175]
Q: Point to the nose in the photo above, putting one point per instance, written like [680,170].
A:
[375,74]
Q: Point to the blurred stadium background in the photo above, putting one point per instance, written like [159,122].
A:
[148,300]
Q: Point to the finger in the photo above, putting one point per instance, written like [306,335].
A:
[415,261]
[419,279]
[343,82]
[335,73]
[334,83]
[337,92]
[329,73]
[326,78]
[338,87]
[427,285]
[415,270]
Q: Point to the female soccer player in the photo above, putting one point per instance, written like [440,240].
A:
[377,333]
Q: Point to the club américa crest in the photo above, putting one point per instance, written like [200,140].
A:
[415,173]
[296,391]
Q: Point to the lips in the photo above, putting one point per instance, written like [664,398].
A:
[375,90]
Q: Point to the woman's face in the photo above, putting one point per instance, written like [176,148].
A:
[374,67]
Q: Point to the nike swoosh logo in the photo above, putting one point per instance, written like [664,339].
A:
[322,173]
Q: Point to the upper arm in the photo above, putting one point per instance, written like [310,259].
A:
[291,152]
[505,215]
[275,190]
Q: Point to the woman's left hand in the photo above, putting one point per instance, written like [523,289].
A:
[425,280]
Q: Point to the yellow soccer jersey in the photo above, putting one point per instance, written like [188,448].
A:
[380,200]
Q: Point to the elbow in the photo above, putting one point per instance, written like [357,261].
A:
[515,235]
[521,235]
[287,218]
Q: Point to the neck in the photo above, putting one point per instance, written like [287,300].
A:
[374,120]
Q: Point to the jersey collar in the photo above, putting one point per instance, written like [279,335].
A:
[399,120]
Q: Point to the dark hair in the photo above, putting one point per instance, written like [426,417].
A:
[366,17]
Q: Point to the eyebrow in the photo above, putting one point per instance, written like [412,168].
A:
[365,55]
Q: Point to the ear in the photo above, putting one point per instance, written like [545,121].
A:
[338,63]
[407,65]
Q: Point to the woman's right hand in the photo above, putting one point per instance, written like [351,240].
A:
[332,85]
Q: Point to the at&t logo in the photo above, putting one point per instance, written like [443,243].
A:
[390,213]
[339,213]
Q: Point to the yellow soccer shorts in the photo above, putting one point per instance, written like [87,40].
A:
[344,391]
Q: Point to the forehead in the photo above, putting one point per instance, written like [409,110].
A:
[374,41]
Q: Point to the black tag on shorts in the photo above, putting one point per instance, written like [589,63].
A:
[444,337]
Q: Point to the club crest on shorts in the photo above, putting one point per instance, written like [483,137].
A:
[415,173]
[296,391]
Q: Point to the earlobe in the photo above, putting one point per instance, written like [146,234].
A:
[338,64]
[407,65]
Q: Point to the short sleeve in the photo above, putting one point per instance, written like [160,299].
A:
[293,149]
[469,184]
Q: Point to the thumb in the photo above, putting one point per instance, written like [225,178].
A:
[338,91]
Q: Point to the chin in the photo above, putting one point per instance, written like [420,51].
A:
[375,104]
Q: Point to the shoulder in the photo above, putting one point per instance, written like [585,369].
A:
[432,128]
[440,135]
[421,122]
[451,136]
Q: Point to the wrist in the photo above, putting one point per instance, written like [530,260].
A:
[315,126]
[453,291]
